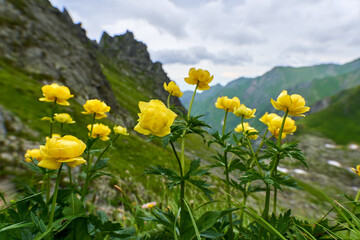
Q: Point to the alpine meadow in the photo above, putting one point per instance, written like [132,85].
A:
[97,142]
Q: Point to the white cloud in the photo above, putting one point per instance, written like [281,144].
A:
[246,37]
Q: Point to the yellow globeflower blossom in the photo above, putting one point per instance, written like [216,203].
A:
[99,130]
[227,104]
[201,77]
[96,106]
[248,130]
[55,92]
[243,111]
[173,89]
[266,118]
[154,118]
[120,130]
[57,150]
[63,118]
[32,154]
[294,103]
[357,170]
[275,125]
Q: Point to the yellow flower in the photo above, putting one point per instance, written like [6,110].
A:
[243,111]
[295,104]
[199,76]
[55,92]
[357,170]
[275,125]
[96,106]
[248,130]
[227,104]
[154,118]
[32,154]
[266,118]
[173,89]
[63,118]
[120,130]
[57,150]
[100,130]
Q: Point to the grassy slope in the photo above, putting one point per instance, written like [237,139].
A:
[340,121]
[19,93]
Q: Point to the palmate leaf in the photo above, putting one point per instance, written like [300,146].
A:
[167,219]
[205,222]
[217,138]
[203,186]
[289,150]
[282,223]
[236,164]
[194,169]
[173,178]
[200,183]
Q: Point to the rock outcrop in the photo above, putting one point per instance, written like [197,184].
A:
[125,48]
[46,43]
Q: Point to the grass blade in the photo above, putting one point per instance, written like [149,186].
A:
[193,222]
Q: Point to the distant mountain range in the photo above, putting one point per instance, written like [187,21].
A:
[314,83]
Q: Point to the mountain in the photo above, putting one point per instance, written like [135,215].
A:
[339,120]
[314,83]
[39,45]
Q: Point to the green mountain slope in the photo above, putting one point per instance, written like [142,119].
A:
[314,83]
[340,120]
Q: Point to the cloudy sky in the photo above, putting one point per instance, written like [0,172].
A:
[230,38]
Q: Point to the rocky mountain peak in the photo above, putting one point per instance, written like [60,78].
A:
[125,47]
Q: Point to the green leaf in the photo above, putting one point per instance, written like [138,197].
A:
[75,206]
[39,223]
[16,226]
[100,164]
[211,234]
[208,219]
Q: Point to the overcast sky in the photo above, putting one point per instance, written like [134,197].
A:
[230,38]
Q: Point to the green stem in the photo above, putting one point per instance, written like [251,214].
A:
[192,100]
[282,128]
[223,130]
[182,154]
[70,175]
[276,163]
[275,201]
[89,159]
[168,101]
[182,187]
[267,203]
[52,118]
[54,198]
[251,148]
[107,147]
[47,186]
[262,143]
[228,200]
[356,199]
[244,204]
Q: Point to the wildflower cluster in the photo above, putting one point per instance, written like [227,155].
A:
[248,160]
[61,148]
